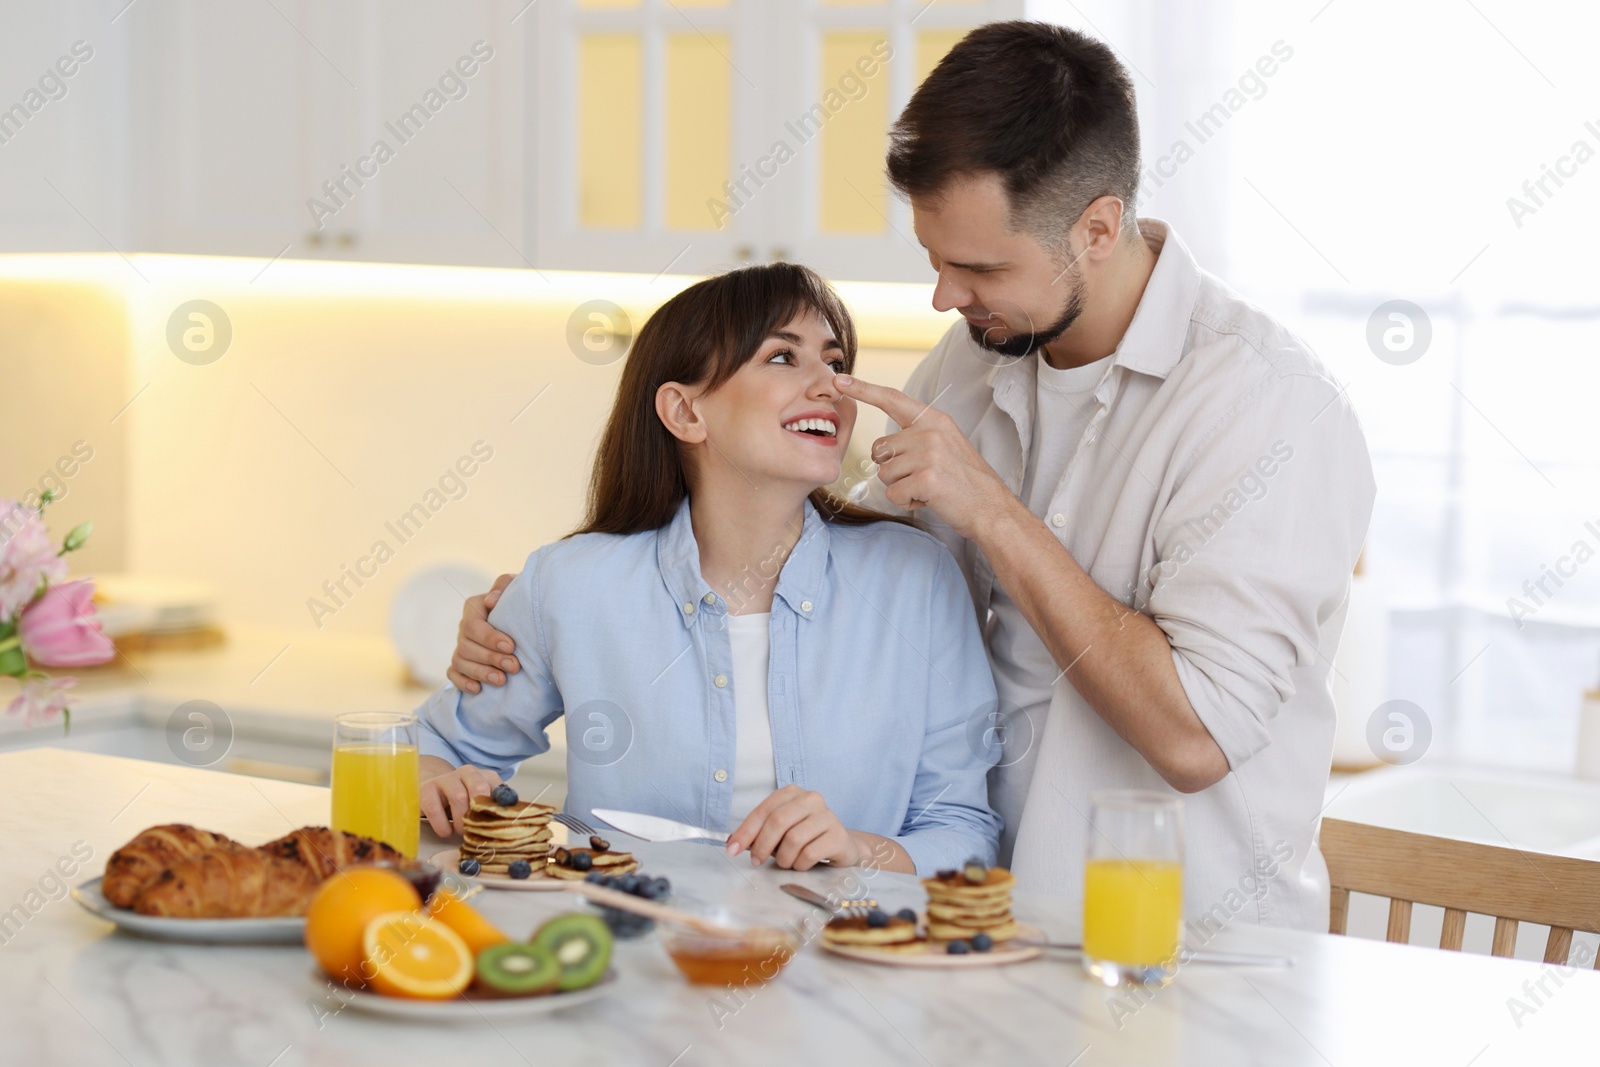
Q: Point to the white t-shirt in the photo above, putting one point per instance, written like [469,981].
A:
[754,773]
[1063,403]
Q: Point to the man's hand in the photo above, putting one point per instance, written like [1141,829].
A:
[796,827]
[446,794]
[929,462]
[480,648]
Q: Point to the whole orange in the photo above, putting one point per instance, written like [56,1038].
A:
[337,917]
[479,933]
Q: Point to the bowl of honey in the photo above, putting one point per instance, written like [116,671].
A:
[752,956]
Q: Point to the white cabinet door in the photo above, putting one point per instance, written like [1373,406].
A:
[244,111]
[695,136]
[434,156]
[62,182]
[643,107]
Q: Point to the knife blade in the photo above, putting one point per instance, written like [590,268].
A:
[655,828]
[810,896]
[1228,959]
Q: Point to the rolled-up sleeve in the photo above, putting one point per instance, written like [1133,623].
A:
[1255,549]
[499,726]
[949,818]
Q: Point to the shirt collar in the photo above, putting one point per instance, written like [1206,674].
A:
[799,582]
[1153,343]
[1155,339]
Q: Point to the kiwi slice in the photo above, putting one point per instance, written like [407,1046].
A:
[511,969]
[581,945]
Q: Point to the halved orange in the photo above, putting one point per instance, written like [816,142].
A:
[479,933]
[412,955]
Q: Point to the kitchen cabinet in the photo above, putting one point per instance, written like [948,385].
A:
[342,131]
[696,136]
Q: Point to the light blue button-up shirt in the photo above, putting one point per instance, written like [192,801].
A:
[878,686]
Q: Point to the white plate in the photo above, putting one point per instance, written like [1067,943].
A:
[290,930]
[470,1009]
[449,861]
[425,612]
[935,955]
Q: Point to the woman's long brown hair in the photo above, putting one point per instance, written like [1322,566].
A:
[703,334]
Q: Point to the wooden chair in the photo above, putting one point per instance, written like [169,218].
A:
[1461,877]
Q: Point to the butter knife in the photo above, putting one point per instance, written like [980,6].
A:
[655,828]
[810,896]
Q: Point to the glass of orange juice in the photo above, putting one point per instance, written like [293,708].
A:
[1133,888]
[375,777]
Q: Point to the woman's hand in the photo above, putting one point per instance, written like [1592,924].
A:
[796,827]
[447,794]
[480,648]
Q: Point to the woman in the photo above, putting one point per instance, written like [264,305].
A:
[732,647]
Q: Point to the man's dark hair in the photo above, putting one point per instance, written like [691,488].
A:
[1048,109]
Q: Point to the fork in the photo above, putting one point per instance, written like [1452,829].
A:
[575,824]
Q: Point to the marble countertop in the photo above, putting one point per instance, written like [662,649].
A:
[75,991]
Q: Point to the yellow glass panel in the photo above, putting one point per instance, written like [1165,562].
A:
[931,47]
[610,131]
[699,112]
[852,112]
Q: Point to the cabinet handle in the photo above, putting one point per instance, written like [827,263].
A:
[346,239]
[744,253]
[780,254]
[314,239]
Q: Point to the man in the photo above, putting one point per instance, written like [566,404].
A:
[1156,493]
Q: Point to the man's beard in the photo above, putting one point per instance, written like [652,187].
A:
[1022,344]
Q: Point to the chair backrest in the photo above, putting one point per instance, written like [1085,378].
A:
[1461,877]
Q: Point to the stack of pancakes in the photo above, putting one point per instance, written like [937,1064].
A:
[899,936]
[959,908]
[497,835]
[600,859]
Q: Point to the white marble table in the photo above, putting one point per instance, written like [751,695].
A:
[73,991]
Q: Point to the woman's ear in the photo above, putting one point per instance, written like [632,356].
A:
[675,407]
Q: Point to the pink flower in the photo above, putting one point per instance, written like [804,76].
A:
[42,699]
[60,629]
[26,557]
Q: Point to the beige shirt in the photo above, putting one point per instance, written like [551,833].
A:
[1222,486]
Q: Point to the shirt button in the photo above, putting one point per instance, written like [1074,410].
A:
[805,605]
[1058,519]
[721,776]
[721,680]
[688,607]
[710,598]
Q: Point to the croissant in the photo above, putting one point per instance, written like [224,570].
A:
[140,861]
[278,878]
[230,883]
[326,851]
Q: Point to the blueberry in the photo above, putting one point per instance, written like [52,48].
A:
[628,883]
[877,918]
[982,942]
[958,948]
[519,869]
[975,872]
[907,914]
[660,889]
[468,867]
[582,861]
[666,886]
[594,878]
[503,795]
[946,875]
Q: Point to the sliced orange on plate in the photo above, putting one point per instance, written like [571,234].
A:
[479,933]
[413,955]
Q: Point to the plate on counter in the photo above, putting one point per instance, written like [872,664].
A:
[283,930]
[449,861]
[935,954]
[469,1009]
